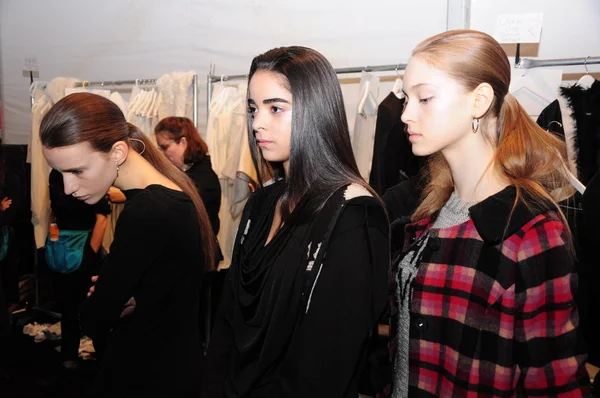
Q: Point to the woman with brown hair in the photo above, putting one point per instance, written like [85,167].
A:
[145,300]
[179,140]
[483,302]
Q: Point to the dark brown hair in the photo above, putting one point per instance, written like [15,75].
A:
[321,157]
[86,117]
[179,127]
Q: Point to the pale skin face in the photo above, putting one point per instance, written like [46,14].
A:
[270,104]
[173,150]
[438,110]
[438,115]
[87,173]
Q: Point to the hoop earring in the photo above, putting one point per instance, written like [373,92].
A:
[141,142]
[475,125]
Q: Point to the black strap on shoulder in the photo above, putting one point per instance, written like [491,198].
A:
[320,235]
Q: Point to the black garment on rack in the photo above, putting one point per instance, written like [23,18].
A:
[393,159]
[591,236]
[585,106]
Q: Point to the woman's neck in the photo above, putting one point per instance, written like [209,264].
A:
[137,173]
[472,166]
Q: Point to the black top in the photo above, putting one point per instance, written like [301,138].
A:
[207,182]
[156,257]
[263,343]
[71,213]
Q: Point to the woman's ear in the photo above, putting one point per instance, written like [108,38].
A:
[119,152]
[184,142]
[483,96]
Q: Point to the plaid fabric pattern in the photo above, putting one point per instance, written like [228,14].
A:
[493,319]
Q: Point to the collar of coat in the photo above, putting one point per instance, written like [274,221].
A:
[492,217]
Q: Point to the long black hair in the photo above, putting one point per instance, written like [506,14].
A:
[321,158]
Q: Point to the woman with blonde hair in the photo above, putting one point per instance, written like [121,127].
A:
[483,301]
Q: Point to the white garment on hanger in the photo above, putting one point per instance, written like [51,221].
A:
[363,137]
[535,88]
[227,139]
[118,99]
[56,87]
[176,94]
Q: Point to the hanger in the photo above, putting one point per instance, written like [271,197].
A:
[575,182]
[586,80]
[397,88]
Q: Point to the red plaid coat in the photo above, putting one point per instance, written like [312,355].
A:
[492,311]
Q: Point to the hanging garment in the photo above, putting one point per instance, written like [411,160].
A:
[572,118]
[591,211]
[558,119]
[227,139]
[393,159]
[40,171]
[142,110]
[583,106]
[176,93]
[363,136]
[536,88]
[56,87]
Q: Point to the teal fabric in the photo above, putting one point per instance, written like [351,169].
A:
[4,241]
[66,254]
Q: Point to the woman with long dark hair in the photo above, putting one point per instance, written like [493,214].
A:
[308,276]
[144,304]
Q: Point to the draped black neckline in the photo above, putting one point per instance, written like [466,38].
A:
[266,285]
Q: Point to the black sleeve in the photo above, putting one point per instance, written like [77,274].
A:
[216,363]
[139,236]
[12,190]
[325,353]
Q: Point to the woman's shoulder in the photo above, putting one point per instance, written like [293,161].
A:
[156,201]
[362,207]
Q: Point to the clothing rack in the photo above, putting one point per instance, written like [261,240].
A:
[211,78]
[103,83]
[527,63]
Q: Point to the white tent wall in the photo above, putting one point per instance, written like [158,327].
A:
[116,39]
